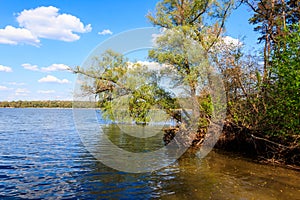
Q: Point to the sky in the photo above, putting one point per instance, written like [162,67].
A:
[39,40]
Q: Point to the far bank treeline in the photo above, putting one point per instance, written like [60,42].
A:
[36,104]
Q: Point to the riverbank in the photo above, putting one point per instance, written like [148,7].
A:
[36,104]
[275,150]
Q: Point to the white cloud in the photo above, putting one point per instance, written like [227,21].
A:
[150,65]
[46,22]
[46,91]
[51,68]
[14,36]
[105,32]
[15,83]
[232,41]
[53,79]
[5,69]
[56,67]
[155,36]
[4,88]
[22,92]
[30,67]
[227,43]
[43,22]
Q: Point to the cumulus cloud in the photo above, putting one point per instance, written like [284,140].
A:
[5,69]
[55,67]
[231,41]
[53,79]
[155,36]
[4,88]
[46,91]
[43,22]
[22,92]
[30,67]
[150,65]
[14,36]
[105,32]
[51,68]
[15,83]
[46,22]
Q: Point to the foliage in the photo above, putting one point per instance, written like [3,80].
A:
[283,105]
[277,98]
[242,82]
[126,92]
[203,19]
[271,18]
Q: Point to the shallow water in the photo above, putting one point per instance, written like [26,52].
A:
[42,156]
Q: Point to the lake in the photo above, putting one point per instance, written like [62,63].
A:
[43,157]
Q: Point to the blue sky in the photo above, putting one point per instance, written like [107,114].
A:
[39,39]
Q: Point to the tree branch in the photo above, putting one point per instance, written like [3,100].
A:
[201,13]
[221,27]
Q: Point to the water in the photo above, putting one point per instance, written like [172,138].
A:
[42,156]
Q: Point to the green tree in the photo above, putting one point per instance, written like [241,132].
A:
[277,21]
[271,18]
[126,92]
[191,29]
[283,105]
[204,20]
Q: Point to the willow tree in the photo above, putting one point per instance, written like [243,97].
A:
[190,30]
[203,19]
[125,91]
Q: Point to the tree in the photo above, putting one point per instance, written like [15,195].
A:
[271,18]
[283,106]
[126,92]
[204,20]
[242,81]
[278,23]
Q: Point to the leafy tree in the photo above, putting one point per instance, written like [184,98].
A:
[277,21]
[126,91]
[283,106]
[242,81]
[204,20]
[191,29]
[271,18]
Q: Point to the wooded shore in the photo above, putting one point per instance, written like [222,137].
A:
[36,104]
[272,150]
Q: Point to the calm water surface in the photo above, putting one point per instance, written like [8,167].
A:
[42,156]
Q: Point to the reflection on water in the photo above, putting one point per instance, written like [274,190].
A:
[41,156]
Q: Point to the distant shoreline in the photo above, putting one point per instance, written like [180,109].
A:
[34,108]
[36,104]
